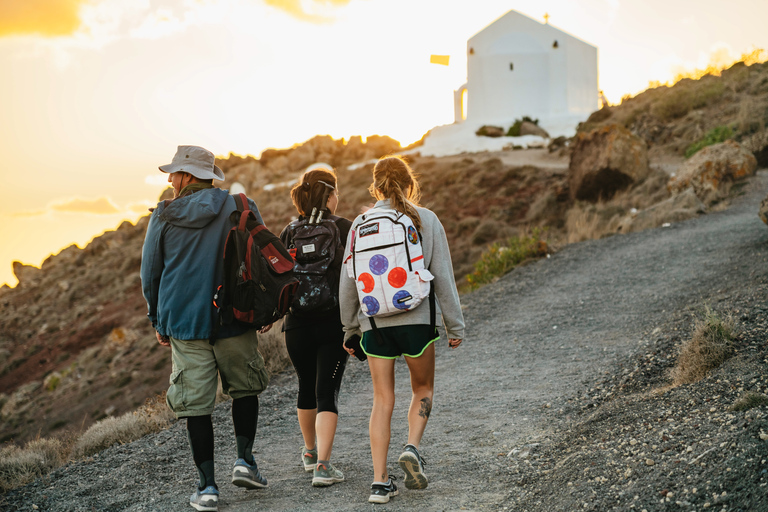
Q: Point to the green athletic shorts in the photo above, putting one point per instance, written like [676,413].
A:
[392,342]
[197,365]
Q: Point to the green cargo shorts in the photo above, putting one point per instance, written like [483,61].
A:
[197,365]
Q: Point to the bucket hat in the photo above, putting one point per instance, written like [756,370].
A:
[197,161]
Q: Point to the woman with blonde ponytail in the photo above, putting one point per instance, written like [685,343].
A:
[411,334]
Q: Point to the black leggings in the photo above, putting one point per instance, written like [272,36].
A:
[318,355]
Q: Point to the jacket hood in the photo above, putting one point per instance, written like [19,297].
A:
[195,210]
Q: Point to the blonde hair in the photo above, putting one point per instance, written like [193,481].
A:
[393,179]
[308,193]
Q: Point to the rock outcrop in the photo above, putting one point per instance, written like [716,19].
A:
[528,128]
[605,161]
[707,170]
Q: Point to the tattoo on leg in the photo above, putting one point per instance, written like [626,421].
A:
[384,477]
[426,407]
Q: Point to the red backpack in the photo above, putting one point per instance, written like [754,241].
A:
[259,283]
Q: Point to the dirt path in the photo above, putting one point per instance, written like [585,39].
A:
[534,339]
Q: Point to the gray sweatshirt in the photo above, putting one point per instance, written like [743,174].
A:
[437,259]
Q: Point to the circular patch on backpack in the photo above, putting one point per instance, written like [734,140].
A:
[368,282]
[397,277]
[371,305]
[400,299]
[378,264]
[413,235]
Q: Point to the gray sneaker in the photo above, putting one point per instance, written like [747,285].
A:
[413,465]
[206,500]
[247,475]
[326,475]
[309,458]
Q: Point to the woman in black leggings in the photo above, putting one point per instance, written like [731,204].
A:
[314,339]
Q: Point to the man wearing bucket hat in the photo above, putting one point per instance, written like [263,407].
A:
[181,266]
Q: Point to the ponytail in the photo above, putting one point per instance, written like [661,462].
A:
[393,179]
[312,190]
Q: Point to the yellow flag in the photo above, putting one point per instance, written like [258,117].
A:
[439,59]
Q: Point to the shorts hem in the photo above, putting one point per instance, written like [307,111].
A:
[402,354]
[191,413]
[422,350]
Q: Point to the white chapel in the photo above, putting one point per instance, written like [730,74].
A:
[519,67]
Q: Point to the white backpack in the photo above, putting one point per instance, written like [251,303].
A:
[387,262]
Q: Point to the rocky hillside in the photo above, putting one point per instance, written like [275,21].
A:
[671,119]
[75,345]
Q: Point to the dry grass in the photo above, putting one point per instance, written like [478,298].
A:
[19,466]
[153,416]
[749,401]
[272,348]
[585,221]
[709,347]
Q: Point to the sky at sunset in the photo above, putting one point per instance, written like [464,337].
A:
[95,94]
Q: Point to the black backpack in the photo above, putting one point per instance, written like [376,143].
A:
[317,249]
[259,283]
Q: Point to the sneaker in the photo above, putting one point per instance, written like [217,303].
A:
[324,476]
[247,475]
[309,457]
[382,493]
[206,499]
[413,465]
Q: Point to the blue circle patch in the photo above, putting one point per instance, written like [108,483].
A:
[378,264]
[371,305]
[400,299]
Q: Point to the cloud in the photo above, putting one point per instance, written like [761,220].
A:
[30,213]
[140,207]
[100,206]
[41,17]
[307,10]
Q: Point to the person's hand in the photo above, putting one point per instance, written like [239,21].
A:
[454,342]
[350,351]
[265,329]
[163,340]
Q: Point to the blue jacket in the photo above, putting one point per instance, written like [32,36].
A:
[182,263]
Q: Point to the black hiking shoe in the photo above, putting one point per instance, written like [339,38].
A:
[381,493]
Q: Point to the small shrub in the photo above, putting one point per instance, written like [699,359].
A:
[709,347]
[152,417]
[713,136]
[500,259]
[19,466]
[750,401]
[514,130]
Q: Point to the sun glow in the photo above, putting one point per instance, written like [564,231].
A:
[100,92]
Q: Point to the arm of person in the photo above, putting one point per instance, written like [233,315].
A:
[152,266]
[446,293]
[348,301]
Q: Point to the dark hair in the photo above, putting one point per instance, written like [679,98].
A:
[308,193]
[393,179]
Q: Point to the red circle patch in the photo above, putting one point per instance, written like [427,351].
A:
[368,282]
[397,277]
